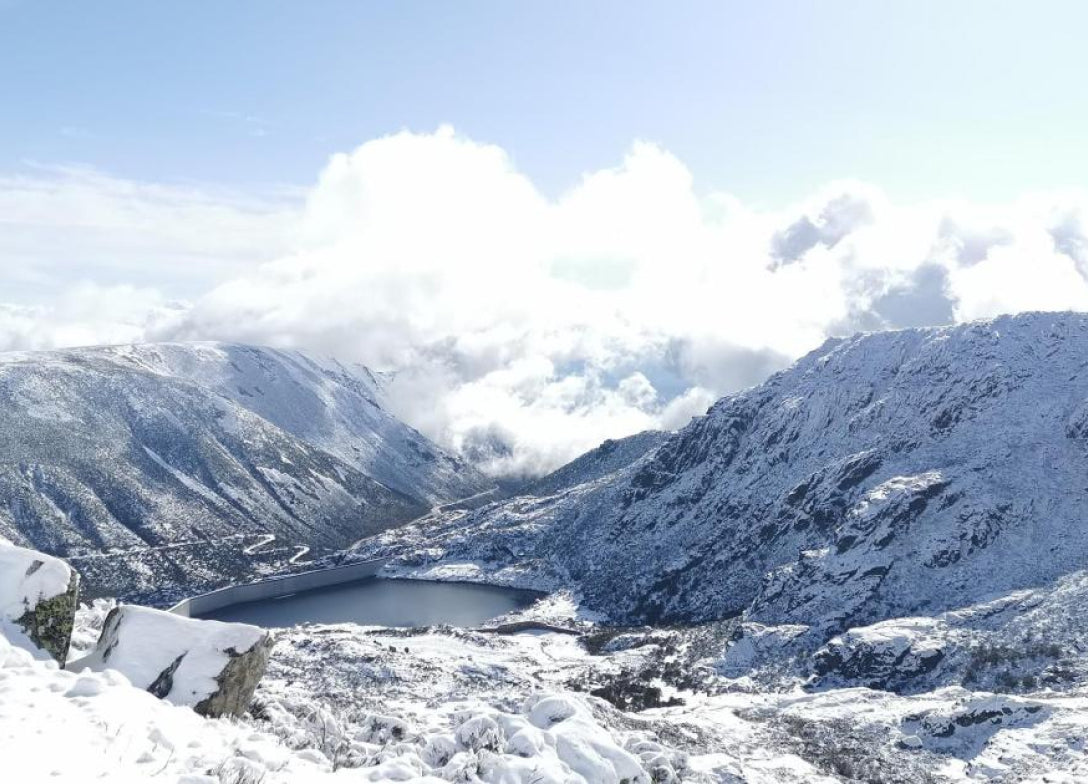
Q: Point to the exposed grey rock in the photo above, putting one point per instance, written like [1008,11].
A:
[887,656]
[967,724]
[238,680]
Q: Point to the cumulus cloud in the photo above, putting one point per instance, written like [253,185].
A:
[523,329]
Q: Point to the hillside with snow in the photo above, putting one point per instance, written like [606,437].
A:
[930,472]
[346,703]
[182,465]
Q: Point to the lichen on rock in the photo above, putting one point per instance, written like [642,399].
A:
[38,596]
[237,681]
[49,623]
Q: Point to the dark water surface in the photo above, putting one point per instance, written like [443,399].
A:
[382,602]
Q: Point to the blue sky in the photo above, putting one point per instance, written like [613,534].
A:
[767,100]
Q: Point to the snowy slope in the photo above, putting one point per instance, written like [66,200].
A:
[160,465]
[336,407]
[106,728]
[611,456]
[885,475]
[354,704]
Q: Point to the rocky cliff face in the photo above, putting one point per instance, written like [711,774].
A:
[159,466]
[885,475]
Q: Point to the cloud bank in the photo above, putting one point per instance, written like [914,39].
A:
[61,226]
[524,330]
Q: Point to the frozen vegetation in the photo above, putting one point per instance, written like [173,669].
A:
[358,704]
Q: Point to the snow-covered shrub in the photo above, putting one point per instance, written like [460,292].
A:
[481,732]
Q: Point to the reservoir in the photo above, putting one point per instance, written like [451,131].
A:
[382,602]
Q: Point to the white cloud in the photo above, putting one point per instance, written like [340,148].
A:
[86,314]
[64,225]
[526,329]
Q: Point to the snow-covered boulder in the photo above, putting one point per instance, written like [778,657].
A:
[581,743]
[755,646]
[38,598]
[210,666]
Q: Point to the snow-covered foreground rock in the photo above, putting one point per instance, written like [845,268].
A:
[211,666]
[38,599]
[171,467]
[57,725]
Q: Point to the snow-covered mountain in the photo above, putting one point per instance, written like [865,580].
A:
[608,458]
[342,409]
[882,476]
[157,465]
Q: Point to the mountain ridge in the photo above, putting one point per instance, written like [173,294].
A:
[883,475]
[142,462]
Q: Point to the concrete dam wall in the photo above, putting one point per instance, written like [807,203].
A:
[276,587]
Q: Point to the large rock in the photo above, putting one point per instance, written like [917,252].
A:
[38,597]
[210,666]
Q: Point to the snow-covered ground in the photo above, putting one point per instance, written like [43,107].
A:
[63,726]
[365,704]
[78,726]
[698,724]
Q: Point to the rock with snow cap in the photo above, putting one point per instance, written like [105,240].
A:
[38,597]
[210,666]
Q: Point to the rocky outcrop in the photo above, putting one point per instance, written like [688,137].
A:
[237,680]
[38,596]
[967,723]
[889,655]
[210,666]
